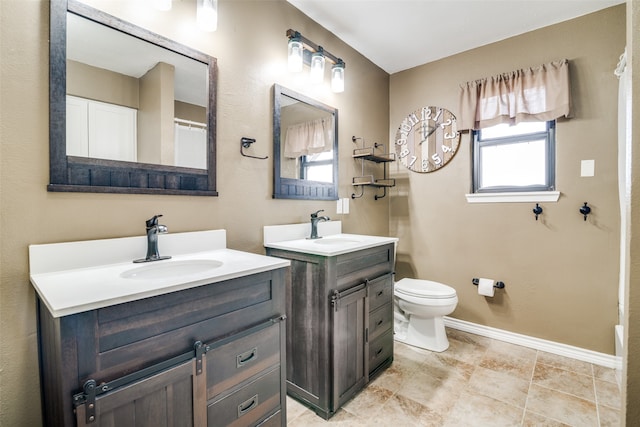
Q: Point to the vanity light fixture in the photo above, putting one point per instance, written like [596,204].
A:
[303,51]
[296,52]
[207,15]
[316,75]
[337,77]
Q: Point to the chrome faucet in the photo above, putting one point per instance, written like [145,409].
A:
[315,219]
[153,229]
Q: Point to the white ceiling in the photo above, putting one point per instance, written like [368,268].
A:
[400,34]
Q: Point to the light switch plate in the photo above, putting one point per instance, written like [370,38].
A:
[587,167]
[345,205]
[339,206]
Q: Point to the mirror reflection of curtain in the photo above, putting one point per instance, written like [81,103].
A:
[191,145]
[311,137]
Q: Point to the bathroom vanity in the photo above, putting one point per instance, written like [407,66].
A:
[195,340]
[339,315]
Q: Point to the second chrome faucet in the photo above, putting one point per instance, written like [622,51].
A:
[153,229]
[315,219]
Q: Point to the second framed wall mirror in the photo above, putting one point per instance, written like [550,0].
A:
[305,147]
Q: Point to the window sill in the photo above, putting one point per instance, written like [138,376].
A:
[514,197]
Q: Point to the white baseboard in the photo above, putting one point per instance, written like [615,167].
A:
[578,353]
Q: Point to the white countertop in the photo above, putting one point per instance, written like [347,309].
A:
[80,276]
[292,237]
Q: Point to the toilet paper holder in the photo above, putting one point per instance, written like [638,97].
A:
[497,285]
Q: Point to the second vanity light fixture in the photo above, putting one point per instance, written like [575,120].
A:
[206,13]
[301,50]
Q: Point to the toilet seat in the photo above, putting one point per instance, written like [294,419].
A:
[424,289]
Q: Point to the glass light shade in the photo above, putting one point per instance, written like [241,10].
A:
[337,77]
[207,15]
[162,4]
[296,51]
[317,68]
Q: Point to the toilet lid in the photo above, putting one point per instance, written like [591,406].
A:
[424,288]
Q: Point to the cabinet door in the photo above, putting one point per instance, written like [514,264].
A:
[350,358]
[175,397]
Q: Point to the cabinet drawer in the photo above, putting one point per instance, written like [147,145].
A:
[380,291]
[243,357]
[380,350]
[274,420]
[380,321]
[356,267]
[127,337]
[248,405]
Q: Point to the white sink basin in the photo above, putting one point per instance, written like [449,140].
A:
[336,240]
[294,238]
[170,269]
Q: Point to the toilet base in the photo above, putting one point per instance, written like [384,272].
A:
[426,333]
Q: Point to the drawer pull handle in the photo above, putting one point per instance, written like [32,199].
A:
[380,322]
[246,357]
[247,405]
[380,293]
[379,351]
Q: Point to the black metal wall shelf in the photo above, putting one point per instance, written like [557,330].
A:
[369,154]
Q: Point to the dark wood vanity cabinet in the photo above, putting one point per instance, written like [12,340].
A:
[210,355]
[339,324]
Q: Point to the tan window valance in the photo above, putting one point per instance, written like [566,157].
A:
[541,93]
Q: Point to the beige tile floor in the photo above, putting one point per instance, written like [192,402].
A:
[478,382]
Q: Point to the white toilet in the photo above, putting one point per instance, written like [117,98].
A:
[419,309]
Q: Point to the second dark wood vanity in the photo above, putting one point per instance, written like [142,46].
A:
[340,323]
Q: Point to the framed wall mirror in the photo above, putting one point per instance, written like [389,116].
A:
[305,147]
[130,111]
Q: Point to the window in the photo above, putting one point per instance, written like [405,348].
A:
[515,158]
[317,167]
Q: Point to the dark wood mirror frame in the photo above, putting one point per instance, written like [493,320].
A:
[289,188]
[79,174]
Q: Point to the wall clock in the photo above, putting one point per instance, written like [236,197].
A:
[427,139]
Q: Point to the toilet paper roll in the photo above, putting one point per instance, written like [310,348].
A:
[485,287]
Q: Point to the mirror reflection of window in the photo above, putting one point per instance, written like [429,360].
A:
[317,167]
[307,151]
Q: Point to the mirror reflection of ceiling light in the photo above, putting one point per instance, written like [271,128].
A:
[163,5]
[206,12]
[207,15]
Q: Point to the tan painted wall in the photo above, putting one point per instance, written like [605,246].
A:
[102,85]
[192,112]
[250,45]
[561,273]
[156,114]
